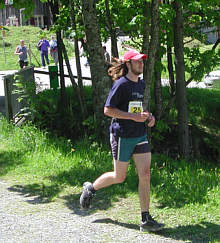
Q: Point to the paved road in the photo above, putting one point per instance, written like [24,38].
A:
[3,73]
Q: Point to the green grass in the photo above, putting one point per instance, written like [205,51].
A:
[31,36]
[185,196]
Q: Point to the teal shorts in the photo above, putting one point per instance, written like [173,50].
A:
[124,148]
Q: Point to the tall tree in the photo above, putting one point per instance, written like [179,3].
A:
[154,33]
[158,85]
[181,100]
[54,8]
[100,80]
[112,30]
[77,55]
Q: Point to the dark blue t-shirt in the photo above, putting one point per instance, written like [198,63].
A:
[124,91]
[44,46]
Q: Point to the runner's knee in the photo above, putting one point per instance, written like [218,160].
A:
[144,175]
[120,178]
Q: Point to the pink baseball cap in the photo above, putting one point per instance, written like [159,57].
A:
[134,55]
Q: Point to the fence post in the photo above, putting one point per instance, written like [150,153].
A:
[8,103]
[53,74]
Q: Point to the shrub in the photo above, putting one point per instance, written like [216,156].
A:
[68,122]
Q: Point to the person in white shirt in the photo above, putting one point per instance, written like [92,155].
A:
[54,50]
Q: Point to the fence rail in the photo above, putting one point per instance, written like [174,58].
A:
[65,75]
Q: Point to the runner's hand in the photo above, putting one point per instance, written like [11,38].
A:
[140,117]
[151,120]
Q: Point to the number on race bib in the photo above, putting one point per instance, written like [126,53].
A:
[135,107]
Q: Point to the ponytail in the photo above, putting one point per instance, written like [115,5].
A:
[118,68]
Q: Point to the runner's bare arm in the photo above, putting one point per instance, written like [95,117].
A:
[16,51]
[116,113]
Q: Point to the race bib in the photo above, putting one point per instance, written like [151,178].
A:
[135,107]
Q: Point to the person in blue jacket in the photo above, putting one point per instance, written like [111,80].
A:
[43,45]
[127,135]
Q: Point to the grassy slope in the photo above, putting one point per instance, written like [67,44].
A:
[31,36]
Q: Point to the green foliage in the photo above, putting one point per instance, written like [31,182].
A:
[90,126]
[198,63]
[70,124]
[203,121]
[25,91]
[204,115]
[204,105]
[63,19]
[160,128]
[204,118]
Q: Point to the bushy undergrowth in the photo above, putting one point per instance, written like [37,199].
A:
[203,110]
[204,126]
[68,122]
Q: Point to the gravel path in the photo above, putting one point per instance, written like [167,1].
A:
[23,219]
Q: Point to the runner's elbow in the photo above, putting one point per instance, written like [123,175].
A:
[107,111]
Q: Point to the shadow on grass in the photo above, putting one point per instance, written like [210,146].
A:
[202,232]
[74,178]
[171,196]
[9,160]
[116,222]
[41,193]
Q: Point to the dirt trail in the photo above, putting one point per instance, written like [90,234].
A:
[25,219]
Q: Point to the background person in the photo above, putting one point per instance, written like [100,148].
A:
[43,44]
[83,52]
[54,50]
[127,134]
[106,55]
[22,51]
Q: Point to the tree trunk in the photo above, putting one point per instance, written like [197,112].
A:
[54,8]
[78,64]
[158,86]
[114,46]
[74,84]
[61,69]
[100,80]
[149,67]
[112,30]
[181,100]
[170,70]
[146,28]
